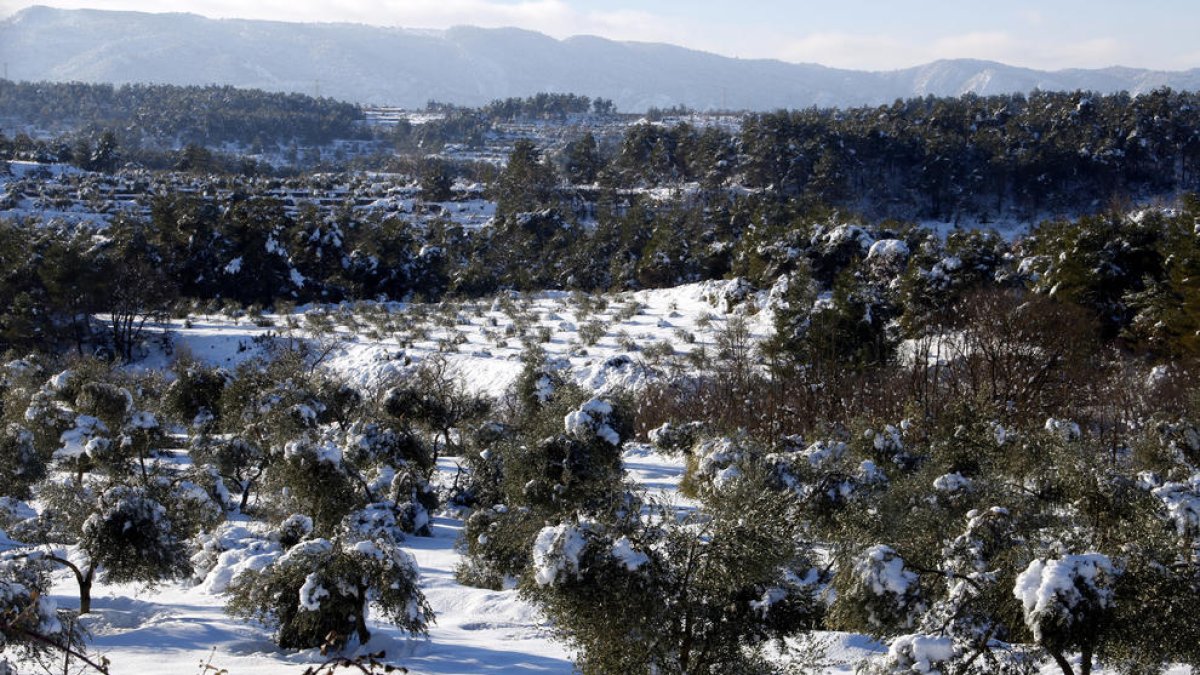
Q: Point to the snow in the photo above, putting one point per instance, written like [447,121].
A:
[889,250]
[79,440]
[312,592]
[952,482]
[484,362]
[1050,590]
[592,419]
[143,420]
[1066,429]
[1182,502]
[61,380]
[14,510]
[922,654]
[556,552]
[882,571]
[822,453]
[237,549]
[476,630]
[849,233]
[622,550]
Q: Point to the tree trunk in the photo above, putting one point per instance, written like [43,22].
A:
[1063,664]
[1085,665]
[84,579]
[360,621]
[85,592]
[245,497]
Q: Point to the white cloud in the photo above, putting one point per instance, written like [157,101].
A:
[846,50]
[881,52]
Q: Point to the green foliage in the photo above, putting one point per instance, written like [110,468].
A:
[495,546]
[527,182]
[436,182]
[1099,262]
[583,160]
[309,478]
[543,106]
[559,455]
[130,538]
[194,396]
[32,629]
[21,465]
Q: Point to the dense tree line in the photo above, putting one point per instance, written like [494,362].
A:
[980,157]
[546,106]
[1132,272]
[170,115]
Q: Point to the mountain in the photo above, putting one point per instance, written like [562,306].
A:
[472,66]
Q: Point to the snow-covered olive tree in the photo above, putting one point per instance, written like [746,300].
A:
[32,628]
[317,593]
[700,593]
[123,535]
[562,458]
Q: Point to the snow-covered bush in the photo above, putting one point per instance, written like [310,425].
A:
[317,593]
[1181,500]
[677,438]
[195,500]
[31,624]
[592,419]
[496,546]
[716,461]
[1067,601]
[660,593]
[558,458]
[916,654]
[310,478]
[21,465]
[434,400]
[194,397]
[222,554]
[266,405]
[557,550]
[879,593]
[131,538]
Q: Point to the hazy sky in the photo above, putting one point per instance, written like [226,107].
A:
[877,35]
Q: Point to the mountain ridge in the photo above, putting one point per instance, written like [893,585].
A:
[469,65]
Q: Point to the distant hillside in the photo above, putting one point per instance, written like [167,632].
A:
[472,66]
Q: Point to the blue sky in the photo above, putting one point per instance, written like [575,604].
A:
[844,33]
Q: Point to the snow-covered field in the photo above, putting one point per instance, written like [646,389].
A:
[174,626]
[601,343]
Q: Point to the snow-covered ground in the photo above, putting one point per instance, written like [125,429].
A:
[178,626]
[174,626]
[370,343]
